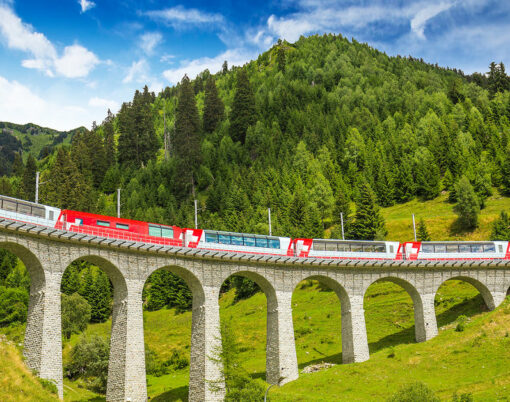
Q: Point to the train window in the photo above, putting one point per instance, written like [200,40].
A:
[344,247]
[24,209]
[500,247]
[368,248]
[249,241]
[489,248]
[440,248]
[452,248]
[464,248]
[380,248]
[260,241]
[38,211]
[427,248]
[10,205]
[78,221]
[211,237]
[122,226]
[237,240]
[223,239]
[154,231]
[103,223]
[167,233]
[476,248]
[274,243]
[356,248]
[330,246]
[317,245]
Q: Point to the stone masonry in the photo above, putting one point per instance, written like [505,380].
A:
[48,252]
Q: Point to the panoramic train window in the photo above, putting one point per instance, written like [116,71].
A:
[154,231]
[103,223]
[122,226]
[249,241]
[238,239]
[167,233]
[489,248]
[211,237]
[9,205]
[458,248]
[348,247]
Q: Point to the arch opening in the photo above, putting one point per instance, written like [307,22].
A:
[90,288]
[392,307]
[508,292]
[170,295]
[460,298]
[317,306]
[248,309]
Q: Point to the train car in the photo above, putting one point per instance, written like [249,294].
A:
[457,250]
[238,242]
[348,249]
[29,212]
[118,228]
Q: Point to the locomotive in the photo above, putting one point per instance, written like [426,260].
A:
[153,233]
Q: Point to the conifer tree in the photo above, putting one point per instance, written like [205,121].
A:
[505,176]
[28,180]
[280,58]
[243,112]
[368,222]
[101,298]
[467,204]
[186,141]
[501,227]
[213,106]
[71,282]
[423,234]
[17,165]
[109,139]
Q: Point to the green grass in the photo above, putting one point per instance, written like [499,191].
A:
[440,218]
[451,362]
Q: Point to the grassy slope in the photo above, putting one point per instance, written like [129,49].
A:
[16,382]
[440,218]
[454,361]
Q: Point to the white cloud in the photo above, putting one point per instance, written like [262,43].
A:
[76,61]
[104,104]
[193,67]
[149,40]
[137,72]
[86,5]
[180,17]
[421,18]
[18,104]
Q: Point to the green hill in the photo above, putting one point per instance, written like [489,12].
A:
[473,361]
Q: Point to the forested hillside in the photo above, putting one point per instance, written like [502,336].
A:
[306,129]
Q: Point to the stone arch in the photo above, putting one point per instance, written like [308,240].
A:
[350,353]
[31,262]
[487,296]
[421,323]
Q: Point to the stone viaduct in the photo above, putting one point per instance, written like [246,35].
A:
[48,252]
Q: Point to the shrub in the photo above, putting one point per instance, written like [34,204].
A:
[417,392]
[75,314]
[461,323]
[466,397]
[49,385]
[13,305]
[89,360]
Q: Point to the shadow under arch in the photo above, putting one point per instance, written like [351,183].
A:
[347,353]
[420,333]
[484,291]
[273,372]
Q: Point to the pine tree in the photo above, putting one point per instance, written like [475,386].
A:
[467,204]
[71,282]
[224,67]
[109,139]
[17,165]
[280,58]
[423,234]
[213,106]
[501,227]
[101,298]
[368,223]
[186,141]
[243,112]
[28,179]
[505,174]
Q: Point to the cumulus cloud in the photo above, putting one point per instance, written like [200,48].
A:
[149,40]
[137,72]
[425,14]
[179,17]
[86,5]
[214,64]
[75,62]
[14,98]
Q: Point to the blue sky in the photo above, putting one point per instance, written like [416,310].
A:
[64,62]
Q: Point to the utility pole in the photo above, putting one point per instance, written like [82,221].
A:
[196,215]
[118,203]
[414,228]
[269,216]
[342,221]
[37,187]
